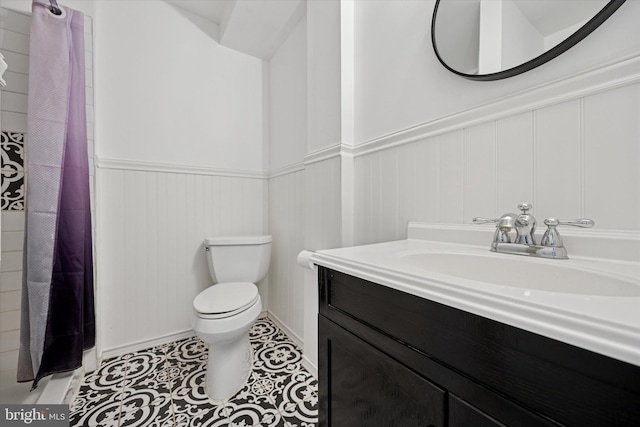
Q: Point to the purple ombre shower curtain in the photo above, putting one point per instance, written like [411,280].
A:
[57,299]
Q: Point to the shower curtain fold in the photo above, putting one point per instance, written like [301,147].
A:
[57,300]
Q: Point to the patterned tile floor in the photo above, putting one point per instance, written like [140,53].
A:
[164,387]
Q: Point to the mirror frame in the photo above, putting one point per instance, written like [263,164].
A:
[547,56]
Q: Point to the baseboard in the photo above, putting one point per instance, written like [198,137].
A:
[295,338]
[141,345]
[310,366]
[306,362]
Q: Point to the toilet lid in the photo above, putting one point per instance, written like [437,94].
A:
[226,298]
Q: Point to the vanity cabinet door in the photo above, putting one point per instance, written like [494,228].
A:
[363,386]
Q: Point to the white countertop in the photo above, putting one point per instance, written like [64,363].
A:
[608,325]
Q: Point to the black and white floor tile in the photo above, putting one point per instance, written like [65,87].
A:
[164,387]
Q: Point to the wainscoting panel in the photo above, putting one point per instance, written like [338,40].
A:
[514,140]
[571,159]
[151,260]
[323,182]
[376,209]
[322,191]
[286,224]
[611,156]
[557,160]
[304,213]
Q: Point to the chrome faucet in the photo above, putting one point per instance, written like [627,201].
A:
[525,226]
[551,244]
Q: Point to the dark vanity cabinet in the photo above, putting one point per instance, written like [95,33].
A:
[388,358]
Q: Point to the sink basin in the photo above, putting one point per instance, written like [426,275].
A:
[525,273]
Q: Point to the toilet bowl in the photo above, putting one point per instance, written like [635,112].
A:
[225,311]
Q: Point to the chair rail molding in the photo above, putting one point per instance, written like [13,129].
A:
[599,79]
[137,165]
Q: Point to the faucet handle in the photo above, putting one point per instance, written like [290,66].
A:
[504,225]
[581,222]
[506,221]
[552,237]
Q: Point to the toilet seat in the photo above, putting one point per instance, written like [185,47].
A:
[225,300]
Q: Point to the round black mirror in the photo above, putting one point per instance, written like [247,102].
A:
[496,39]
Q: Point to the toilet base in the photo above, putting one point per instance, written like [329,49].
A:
[228,367]
[230,354]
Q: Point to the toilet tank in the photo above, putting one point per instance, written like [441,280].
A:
[238,258]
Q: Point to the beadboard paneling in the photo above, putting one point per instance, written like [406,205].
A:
[152,264]
[323,182]
[323,204]
[304,213]
[611,157]
[557,160]
[480,173]
[451,202]
[575,158]
[427,179]
[514,149]
[286,224]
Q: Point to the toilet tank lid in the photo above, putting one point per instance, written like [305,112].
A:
[236,240]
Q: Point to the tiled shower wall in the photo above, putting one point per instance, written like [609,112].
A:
[571,159]
[14,44]
[13,123]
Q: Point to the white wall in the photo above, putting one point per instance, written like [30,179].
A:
[400,83]
[288,100]
[566,148]
[323,73]
[305,183]
[569,159]
[287,146]
[169,93]
[181,156]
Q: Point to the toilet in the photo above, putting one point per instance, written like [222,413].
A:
[225,311]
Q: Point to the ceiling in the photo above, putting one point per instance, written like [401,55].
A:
[211,10]
[255,27]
